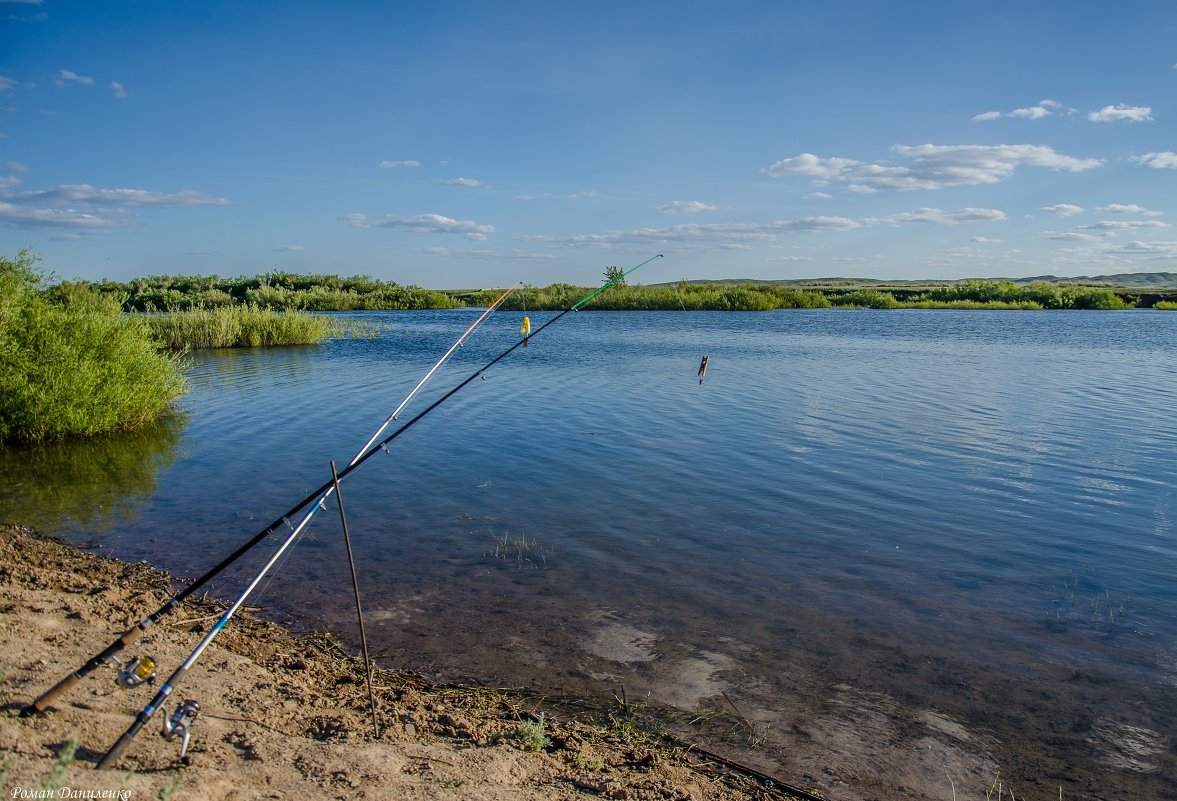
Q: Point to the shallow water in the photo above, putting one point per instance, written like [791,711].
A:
[898,545]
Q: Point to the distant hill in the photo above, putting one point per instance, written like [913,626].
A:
[1135,281]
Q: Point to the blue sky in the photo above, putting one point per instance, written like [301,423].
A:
[474,144]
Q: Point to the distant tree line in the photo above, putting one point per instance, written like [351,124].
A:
[279,291]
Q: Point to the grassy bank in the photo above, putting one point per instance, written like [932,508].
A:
[278,291]
[248,326]
[766,296]
[71,363]
[288,292]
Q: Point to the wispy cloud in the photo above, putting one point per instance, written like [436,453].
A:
[817,196]
[423,224]
[1063,209]
[1159,161]
[25,217]
[1121,112]
[290,249]
[945,217]
[489,255]
[1123,225]
[1126,208]
[7,83]
[690,233]
[463,182]
[67,77]
[120,91]
[685,207]
[89,196]
[984,240]
[392,165]
[1044,109]
[932,167]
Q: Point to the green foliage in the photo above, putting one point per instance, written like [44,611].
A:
[278,291]
[615,273]
[236,326]
[71,364]
[1036,295]
[868,299]
[52,780]
[1165,305]
[531,735]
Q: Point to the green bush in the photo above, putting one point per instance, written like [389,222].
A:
[71,364]
[247,326]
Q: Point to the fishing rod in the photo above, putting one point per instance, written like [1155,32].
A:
[116,751]
[130,635]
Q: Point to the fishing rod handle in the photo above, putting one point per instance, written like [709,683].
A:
[53,693]
[116,751]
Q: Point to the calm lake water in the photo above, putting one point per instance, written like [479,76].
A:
[871,550]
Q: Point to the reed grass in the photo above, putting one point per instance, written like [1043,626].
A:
[247,326]
[72,364]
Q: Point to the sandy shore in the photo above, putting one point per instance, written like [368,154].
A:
[287,717]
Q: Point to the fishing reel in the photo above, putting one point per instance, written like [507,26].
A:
[177,726]
[132,673]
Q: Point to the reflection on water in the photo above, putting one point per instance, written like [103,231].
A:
[882,535]
[93,483]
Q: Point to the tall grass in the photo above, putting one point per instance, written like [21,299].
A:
[247,326]
[71,363]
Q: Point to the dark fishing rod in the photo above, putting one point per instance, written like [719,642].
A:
[132,634]
[116,751]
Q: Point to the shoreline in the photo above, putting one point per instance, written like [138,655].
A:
[283,715]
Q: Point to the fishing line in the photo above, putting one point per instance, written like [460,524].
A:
[112,756]
[133,633]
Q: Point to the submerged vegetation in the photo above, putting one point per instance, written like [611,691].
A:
[71,363]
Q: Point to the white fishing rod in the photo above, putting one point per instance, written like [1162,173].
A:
[116,751]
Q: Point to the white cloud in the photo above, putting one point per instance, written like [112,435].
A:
[463,182]
[1070,236]
[71,76]
[817,196]
[809,164]
[1130,208]
[933,166]
[392,165]
[120,91]
[1159,161]
[1043,109]
[489,255]
[984,240]
[685,207]
[423,224]
[1063,209]
[290,249]
[16,166]
[1123,225]
[7,83]
[1121,112]
[19,216]
[791,258]
[86,195]
[947,217]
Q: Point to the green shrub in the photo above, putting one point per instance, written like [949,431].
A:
[248,326]
[1165,305]
[71,364]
